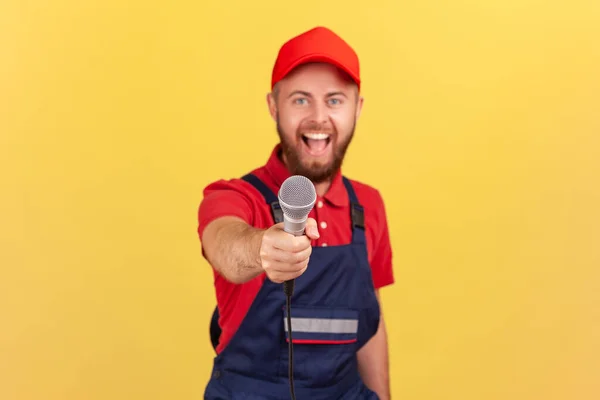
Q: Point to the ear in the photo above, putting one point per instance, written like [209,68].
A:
[272,104]
[359,105]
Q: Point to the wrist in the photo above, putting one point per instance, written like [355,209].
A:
[256,245]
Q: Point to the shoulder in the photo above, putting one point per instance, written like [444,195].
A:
[231,197]
[233,186]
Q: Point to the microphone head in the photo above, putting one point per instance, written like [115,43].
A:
[297,196]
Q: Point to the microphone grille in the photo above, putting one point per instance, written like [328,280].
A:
[297,197]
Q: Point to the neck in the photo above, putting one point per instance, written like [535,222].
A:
[321,187]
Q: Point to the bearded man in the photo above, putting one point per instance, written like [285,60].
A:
[344,257]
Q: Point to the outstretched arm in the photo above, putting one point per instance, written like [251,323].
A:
[240,252]
[232,247]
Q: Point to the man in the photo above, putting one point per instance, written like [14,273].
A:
[339,336]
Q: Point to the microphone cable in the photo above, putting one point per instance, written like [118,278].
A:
[288,289]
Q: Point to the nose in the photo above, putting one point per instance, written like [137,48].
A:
[320,113]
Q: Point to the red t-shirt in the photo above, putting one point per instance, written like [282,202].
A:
[237,197]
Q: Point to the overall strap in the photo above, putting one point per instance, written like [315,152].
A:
[269,196]
[357,214]
[356,209]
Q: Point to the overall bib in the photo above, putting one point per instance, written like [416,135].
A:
[334,313]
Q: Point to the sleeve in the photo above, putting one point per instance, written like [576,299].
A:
[224,198]
[381,260]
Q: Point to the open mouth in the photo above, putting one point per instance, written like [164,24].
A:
[316,143]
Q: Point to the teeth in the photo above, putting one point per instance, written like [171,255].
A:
[316,136]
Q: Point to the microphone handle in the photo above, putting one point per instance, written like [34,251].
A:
[296,228]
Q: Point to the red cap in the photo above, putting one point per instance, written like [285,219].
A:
[316,45]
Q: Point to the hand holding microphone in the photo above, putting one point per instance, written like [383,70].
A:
[283,256]
[286,247]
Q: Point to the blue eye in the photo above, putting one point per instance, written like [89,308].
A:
[334,102]
[300,101]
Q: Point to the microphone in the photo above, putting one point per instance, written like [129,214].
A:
[297,197]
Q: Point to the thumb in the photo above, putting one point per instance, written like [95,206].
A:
[311,229]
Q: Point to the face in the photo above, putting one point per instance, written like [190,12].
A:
[316,108]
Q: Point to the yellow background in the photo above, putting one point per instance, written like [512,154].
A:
[481,128]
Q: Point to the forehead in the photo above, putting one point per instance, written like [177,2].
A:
[315,77]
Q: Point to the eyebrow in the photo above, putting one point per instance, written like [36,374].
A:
[295,92]
[330,94]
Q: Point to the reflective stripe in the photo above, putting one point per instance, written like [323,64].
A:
[321,325]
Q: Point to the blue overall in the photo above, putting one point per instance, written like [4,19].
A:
[334,313]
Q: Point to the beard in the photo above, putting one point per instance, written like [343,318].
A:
[315,171]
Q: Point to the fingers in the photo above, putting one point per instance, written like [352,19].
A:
[286,257]
[284,241]
[281,272]
[311,230]
[280,277]
[274,267]
[282,262]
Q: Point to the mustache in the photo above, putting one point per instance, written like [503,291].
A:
[315,127]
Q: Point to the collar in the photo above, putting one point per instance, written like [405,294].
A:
[336,195]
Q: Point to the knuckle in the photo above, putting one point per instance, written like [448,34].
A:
[299,273]
[299,257]
[287,244]
[295,246]
[305,265]
[300,244]
[300,266]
